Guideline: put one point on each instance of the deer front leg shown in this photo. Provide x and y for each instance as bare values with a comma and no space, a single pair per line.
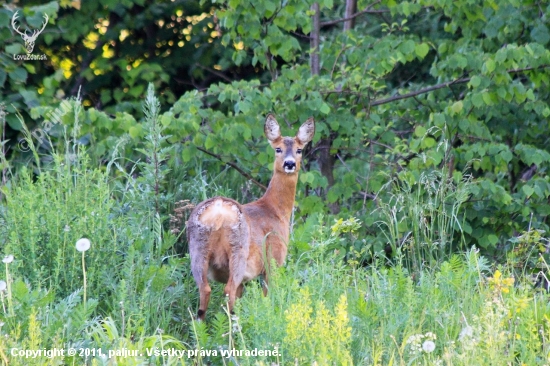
231,293
240,290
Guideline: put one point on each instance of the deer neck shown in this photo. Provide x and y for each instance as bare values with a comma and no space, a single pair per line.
281,193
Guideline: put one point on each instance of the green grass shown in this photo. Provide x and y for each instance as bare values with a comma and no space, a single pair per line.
318,310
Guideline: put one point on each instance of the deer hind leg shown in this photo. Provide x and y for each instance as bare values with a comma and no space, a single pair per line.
199,248
204,292
201,279
234,286
239,241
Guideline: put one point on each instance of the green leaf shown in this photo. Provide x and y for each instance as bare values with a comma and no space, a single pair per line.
210,142
269,6
14,122
492,239
507,155
490,65
457,107
135,131
528,190
18,75
14,49
464,124
421,50
475,81
407,47
487,98
428,142
419,131
307,177
187,154
540,33
325,108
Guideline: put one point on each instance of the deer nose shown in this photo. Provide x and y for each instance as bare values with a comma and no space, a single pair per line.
289,165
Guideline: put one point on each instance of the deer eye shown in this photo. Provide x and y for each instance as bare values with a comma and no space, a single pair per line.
299,151
278,150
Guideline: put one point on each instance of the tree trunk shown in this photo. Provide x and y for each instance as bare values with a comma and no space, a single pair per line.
351,9
314,36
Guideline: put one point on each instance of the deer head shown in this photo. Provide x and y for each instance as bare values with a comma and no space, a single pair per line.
29,39
288,150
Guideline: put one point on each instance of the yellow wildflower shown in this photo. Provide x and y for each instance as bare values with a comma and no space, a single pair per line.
501,284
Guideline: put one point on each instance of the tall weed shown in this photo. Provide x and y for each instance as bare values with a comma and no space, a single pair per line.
422,218
46,215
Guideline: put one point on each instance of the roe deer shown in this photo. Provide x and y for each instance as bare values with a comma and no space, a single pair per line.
228,242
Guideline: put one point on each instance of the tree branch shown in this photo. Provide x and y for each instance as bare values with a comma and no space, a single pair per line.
367,10
443,85
234,166
428,89
418,92
215,72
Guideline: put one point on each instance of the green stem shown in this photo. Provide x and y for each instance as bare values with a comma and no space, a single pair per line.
8,283
84,274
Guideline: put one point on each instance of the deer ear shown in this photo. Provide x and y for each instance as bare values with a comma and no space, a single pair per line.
272,129
306,131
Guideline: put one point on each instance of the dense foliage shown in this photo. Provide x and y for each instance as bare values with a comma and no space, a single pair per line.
432,139
408,88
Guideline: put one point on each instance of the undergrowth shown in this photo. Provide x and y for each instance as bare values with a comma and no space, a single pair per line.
324,307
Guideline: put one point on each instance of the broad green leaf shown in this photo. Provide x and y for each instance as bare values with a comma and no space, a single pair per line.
540,33
457,107
325,108
487,98
18,75
135,131
490,65
422,50
507,155
475,81
428,142
528,190
464,125
419,131
14,49
492,239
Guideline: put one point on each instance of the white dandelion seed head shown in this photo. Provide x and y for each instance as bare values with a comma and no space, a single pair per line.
8,259
466,332
428,346
83,244
3,285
